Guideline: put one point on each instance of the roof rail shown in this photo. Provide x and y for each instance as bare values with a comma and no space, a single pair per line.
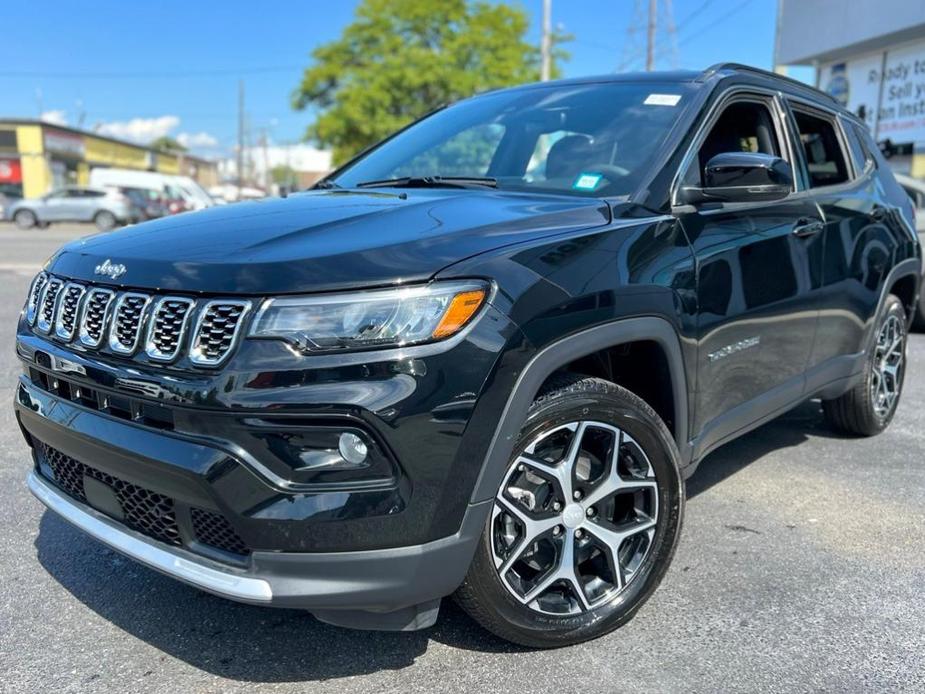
739,67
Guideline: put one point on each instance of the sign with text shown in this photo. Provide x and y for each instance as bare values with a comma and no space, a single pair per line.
887,90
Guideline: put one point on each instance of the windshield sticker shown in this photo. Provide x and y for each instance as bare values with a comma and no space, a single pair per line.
587,181
662,100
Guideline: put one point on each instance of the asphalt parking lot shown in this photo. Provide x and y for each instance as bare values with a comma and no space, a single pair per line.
801,568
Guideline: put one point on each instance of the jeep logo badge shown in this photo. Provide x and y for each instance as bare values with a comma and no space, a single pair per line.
110,269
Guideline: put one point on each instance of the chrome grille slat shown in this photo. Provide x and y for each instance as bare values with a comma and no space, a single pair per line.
69,310
35,293
217,331
48,304
168,327
127,318
95,314
160,328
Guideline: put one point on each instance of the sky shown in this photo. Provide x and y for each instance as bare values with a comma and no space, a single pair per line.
140,70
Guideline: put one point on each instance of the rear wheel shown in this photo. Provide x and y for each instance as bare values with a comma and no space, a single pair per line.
868,408
25,219
585,520
105,220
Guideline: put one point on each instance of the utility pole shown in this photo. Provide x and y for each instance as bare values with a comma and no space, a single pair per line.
650,35
546,42
240,136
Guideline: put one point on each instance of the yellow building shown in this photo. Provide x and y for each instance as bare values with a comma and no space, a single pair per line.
37,157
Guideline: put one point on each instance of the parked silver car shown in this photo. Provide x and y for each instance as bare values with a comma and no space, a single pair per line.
104,207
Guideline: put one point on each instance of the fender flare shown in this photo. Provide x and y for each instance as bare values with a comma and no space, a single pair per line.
562,352
910,267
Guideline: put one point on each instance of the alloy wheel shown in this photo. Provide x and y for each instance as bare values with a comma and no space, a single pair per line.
575,518
888,364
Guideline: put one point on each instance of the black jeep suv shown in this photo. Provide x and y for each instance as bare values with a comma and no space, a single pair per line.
480,358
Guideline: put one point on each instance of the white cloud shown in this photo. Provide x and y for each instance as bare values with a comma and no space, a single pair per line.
200,139
54,117
141,130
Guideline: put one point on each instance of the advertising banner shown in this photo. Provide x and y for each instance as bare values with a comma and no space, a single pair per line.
886,89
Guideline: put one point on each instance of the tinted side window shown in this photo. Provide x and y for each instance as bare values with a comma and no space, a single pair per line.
858,153
824,157
743,126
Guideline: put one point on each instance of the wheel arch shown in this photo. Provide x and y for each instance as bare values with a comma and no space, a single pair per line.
568,350
905,277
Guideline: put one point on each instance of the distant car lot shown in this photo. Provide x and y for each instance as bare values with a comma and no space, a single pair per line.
817,583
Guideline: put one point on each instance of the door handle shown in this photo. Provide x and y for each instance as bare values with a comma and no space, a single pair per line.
807,227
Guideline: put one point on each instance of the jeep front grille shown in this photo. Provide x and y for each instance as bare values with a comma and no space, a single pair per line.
96,311
35,293
216,331
127,323
68,310
48,304
167,327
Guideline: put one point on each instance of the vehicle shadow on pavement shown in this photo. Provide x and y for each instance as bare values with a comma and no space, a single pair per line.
227,639
787,431
255,644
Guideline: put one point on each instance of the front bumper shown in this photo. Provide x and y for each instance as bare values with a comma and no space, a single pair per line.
396,588
386,588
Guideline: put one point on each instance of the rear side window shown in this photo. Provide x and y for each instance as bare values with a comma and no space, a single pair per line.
858,153
824,157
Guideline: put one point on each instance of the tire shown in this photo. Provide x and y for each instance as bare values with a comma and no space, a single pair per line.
105,221
25,219
866,409
558,616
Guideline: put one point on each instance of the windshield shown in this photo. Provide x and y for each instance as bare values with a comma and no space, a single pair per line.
580,139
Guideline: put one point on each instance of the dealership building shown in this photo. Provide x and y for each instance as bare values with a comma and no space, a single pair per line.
870,55
37,157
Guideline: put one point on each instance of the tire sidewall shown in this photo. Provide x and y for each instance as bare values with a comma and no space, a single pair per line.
620,408
892,307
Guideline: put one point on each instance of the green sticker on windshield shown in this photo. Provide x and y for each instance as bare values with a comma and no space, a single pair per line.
587,181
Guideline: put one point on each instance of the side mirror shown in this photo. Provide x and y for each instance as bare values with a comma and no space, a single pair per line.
741,177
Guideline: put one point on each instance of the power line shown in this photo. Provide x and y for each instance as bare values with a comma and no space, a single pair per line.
719,20
696,11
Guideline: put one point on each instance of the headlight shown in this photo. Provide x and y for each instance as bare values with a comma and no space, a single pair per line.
378,318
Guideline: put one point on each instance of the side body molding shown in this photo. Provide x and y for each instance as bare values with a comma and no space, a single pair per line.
567,350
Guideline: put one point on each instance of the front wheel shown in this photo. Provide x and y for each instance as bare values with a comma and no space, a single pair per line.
585,520
868,408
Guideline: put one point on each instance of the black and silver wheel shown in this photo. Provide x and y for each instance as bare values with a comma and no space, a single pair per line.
105,220
25,219
584,522
868,408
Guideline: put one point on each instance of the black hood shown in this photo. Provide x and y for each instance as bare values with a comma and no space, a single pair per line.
322,240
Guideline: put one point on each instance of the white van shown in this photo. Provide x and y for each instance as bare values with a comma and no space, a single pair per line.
183,186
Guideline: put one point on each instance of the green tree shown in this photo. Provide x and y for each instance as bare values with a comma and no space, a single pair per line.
400,59
165,143
283,175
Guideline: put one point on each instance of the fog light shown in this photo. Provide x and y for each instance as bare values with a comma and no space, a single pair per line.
352,449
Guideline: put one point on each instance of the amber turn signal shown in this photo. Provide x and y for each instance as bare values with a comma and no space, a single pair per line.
461,309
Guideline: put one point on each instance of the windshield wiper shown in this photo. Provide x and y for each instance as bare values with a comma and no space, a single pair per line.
431,182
